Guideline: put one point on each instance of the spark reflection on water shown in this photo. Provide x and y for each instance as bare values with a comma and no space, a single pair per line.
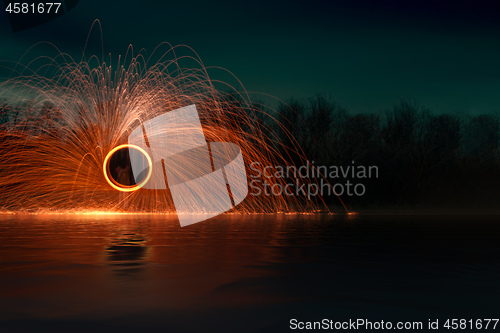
242,272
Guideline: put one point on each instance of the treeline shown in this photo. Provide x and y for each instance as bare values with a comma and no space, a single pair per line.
424,159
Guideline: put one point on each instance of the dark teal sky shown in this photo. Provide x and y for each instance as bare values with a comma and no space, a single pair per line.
365,54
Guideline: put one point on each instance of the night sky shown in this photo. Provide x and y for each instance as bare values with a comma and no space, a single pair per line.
366,55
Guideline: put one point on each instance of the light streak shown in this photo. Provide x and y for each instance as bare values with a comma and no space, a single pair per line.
115,184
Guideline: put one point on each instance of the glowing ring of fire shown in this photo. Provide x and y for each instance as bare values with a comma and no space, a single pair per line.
124,188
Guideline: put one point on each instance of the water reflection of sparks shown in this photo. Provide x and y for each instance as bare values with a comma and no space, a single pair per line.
127,254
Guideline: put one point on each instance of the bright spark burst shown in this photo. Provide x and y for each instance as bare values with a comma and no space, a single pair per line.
53,147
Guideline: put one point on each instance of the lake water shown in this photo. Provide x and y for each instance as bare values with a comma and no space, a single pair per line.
250,273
